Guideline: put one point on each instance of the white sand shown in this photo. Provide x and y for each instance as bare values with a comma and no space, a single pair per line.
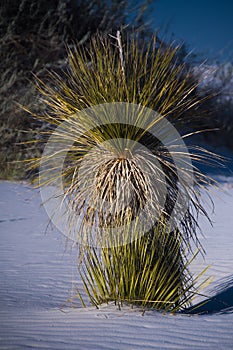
37,276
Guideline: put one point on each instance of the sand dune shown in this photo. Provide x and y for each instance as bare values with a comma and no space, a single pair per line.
38,276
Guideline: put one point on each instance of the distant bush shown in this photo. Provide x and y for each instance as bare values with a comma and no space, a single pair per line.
33,35
217,80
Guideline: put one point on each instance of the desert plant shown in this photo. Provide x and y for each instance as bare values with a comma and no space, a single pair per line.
103,111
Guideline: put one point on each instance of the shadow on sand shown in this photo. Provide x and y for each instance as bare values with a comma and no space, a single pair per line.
221,302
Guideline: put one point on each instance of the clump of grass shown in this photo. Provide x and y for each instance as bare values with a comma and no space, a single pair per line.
145,74
150,272
152,268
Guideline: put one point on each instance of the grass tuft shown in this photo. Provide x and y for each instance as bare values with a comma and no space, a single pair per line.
150,273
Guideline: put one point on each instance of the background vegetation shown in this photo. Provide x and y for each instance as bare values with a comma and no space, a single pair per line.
34,35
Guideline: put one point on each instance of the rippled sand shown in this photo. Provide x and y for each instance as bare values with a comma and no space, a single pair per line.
38,277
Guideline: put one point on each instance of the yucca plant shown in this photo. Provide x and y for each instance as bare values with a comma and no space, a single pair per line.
122,169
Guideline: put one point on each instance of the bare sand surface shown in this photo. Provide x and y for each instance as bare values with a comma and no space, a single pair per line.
38,276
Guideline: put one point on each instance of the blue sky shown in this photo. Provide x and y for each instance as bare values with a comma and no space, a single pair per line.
206,26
